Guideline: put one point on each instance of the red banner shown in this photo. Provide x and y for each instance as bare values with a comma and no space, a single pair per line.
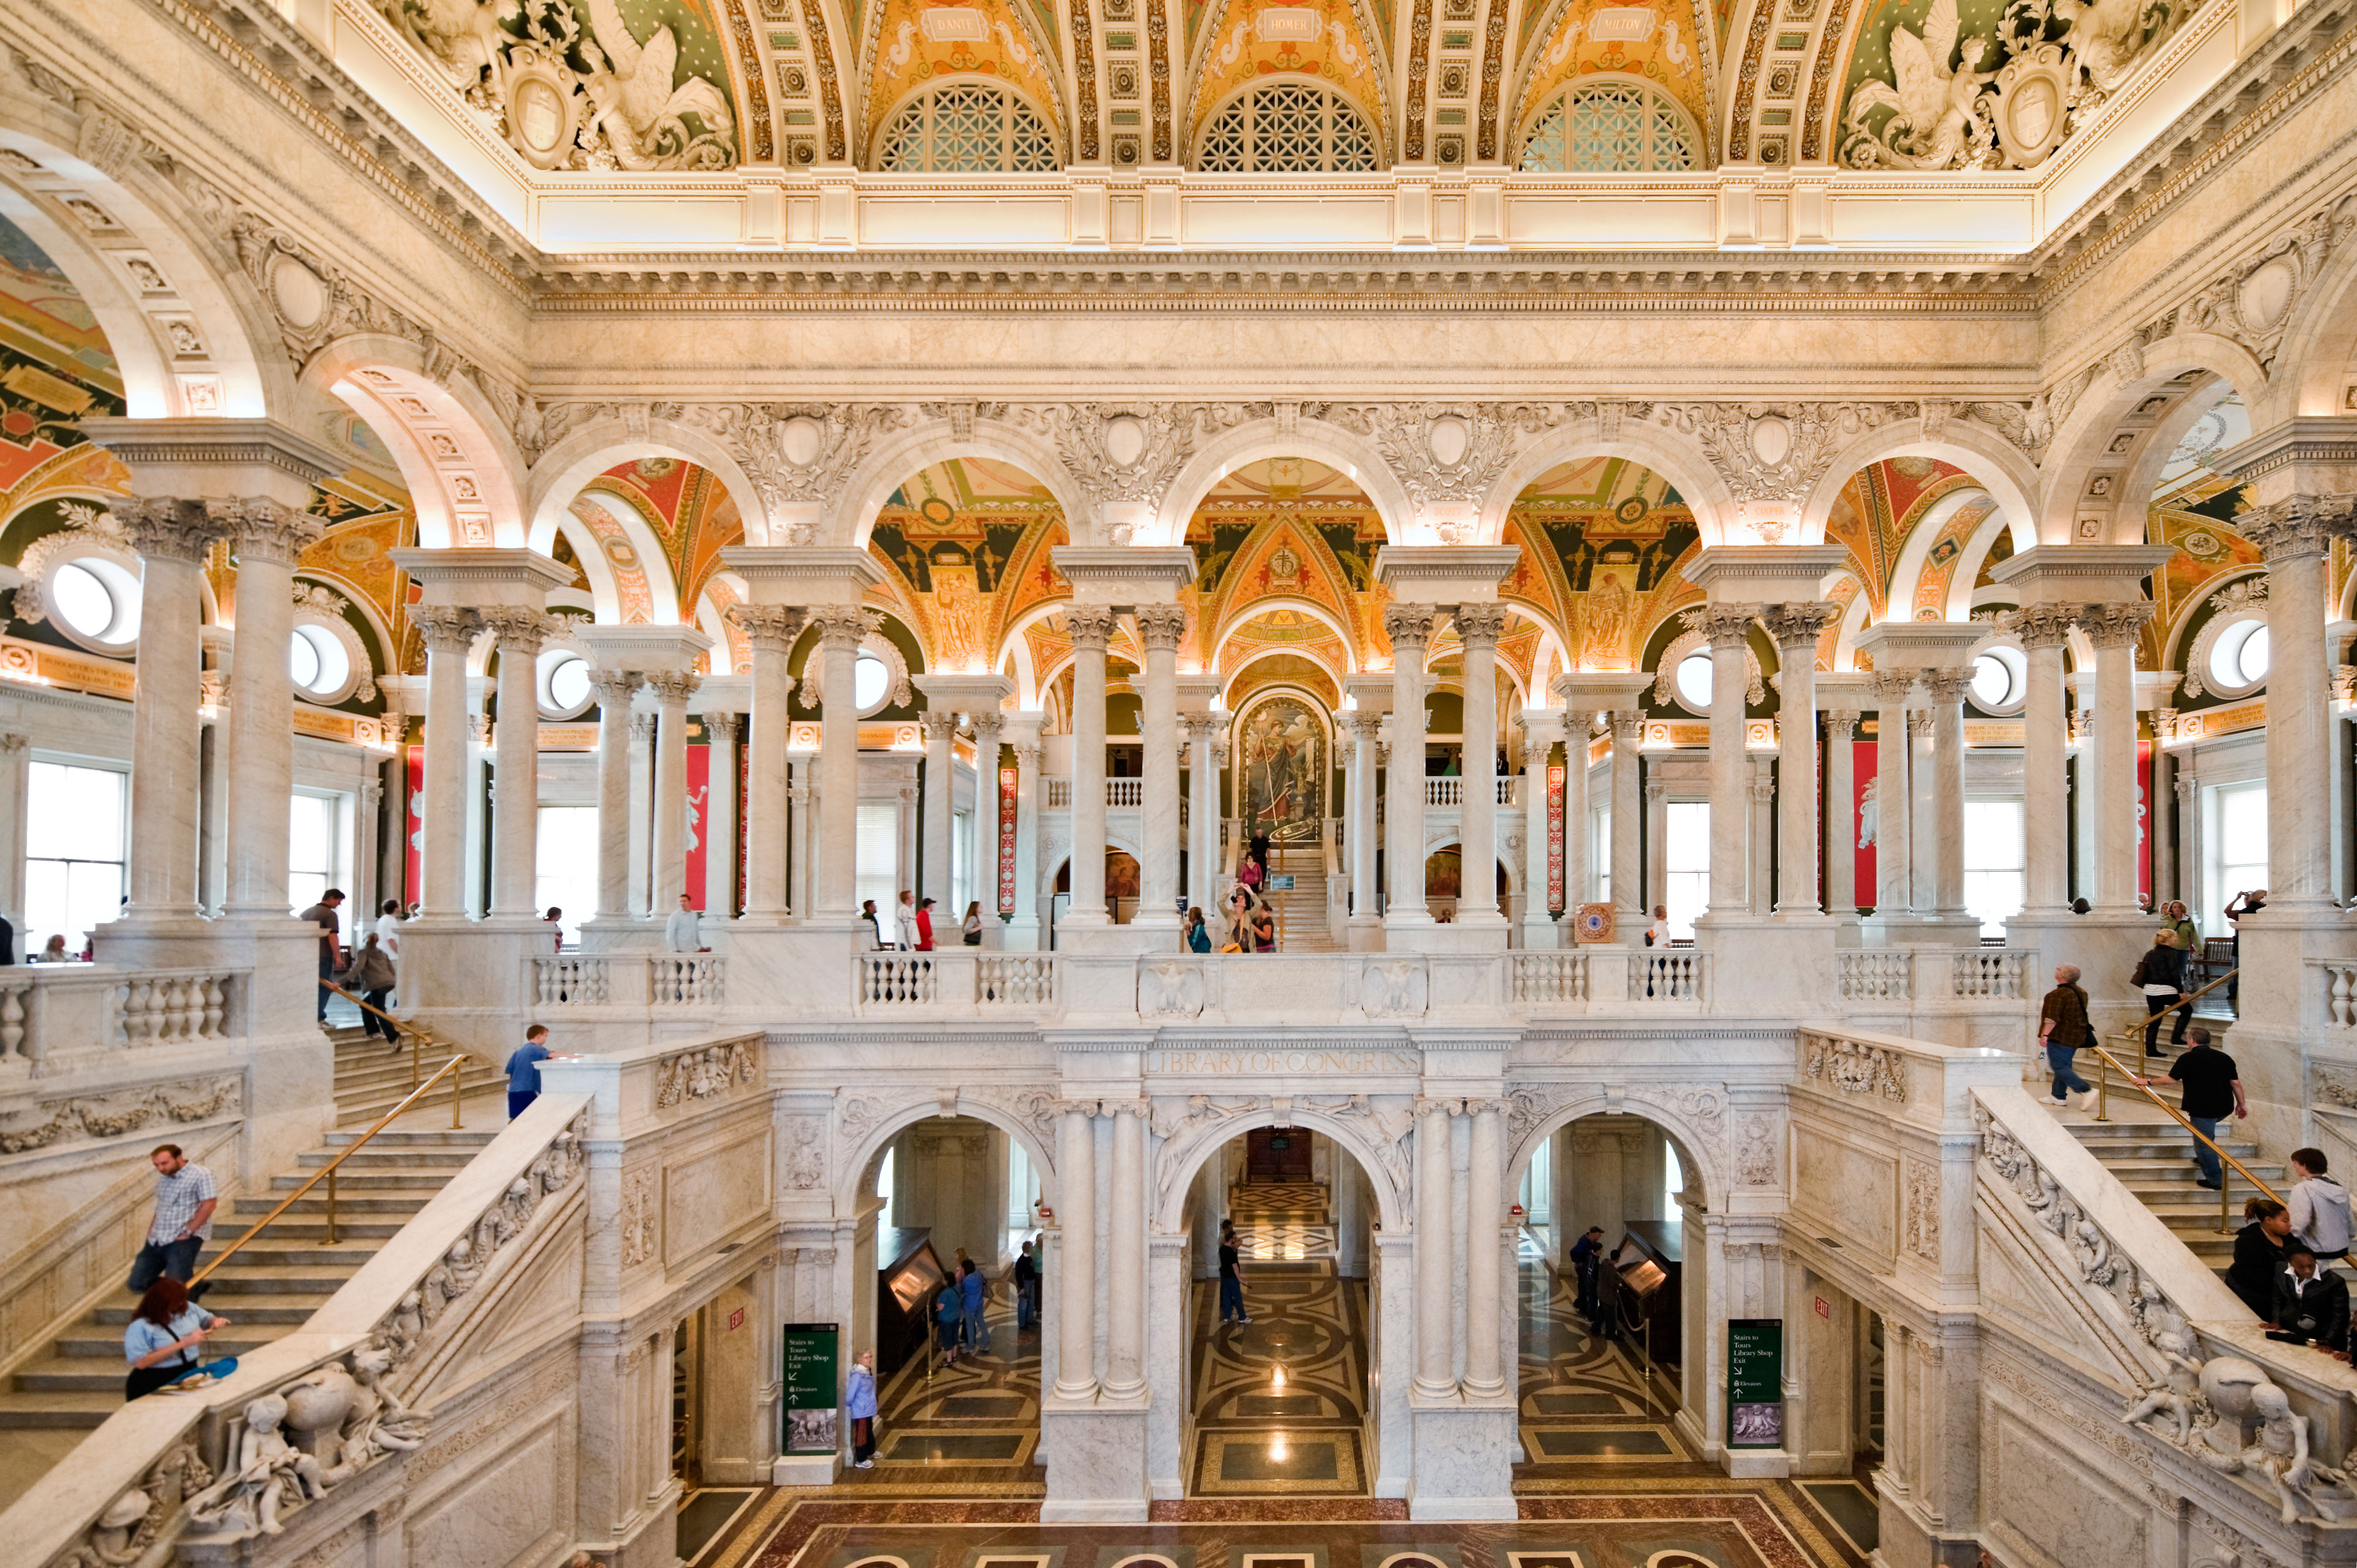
1862,761
2144,820
699,819
1554,777
1010,786
412,825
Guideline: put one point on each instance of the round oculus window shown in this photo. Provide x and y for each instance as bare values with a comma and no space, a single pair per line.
1693,679
2238,660
95,600
317,659
568,684
870,682
1993,686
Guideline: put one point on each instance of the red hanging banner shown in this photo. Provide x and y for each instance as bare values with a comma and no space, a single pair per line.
1554,777
1010,783
413,826
699,819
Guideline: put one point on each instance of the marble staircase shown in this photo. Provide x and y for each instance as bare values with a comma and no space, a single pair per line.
1301,908
371,1078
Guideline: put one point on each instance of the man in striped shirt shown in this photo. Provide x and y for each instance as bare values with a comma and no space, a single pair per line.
184,1200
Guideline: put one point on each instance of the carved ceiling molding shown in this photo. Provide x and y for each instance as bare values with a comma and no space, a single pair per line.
1773,452
1450,454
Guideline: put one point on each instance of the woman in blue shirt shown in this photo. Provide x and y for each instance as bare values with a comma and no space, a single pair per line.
1198,935
165,1338
859,1403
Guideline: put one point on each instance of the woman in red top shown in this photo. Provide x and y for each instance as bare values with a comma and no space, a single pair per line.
924,925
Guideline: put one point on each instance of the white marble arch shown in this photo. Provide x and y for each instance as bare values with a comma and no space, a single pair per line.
454,455
565,470
1244,615
857,1181
2002,468
2078,450
1557,1106
255,378
1054,856
1228,679
850,514
1653,446
1253,440
605,591
1915,554
655,566
1857,616
2315,368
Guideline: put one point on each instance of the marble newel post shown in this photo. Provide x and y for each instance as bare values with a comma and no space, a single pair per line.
1542,727
264,540
842,629
1946,688
1076,1292
940,730
1125,1280
669,879
1893,899
1361,726
615,689
518,632
2115,630
2043,629
1435,1373
1480,626
1092,629
772,630
1841,816
449,633
1160,628
1485,1263
1795,628
1409,626
1728,626
171,537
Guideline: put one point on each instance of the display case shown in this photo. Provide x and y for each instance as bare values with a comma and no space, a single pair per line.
1651,1287
907,1273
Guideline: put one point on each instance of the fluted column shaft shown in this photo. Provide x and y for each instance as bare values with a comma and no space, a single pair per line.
1893,894
1795,628
264,539
1076,1293
2297,534
842,629
1091,628
720,840
1125,1284
615,688
449,633
1485,1181
1728,627
1160,627
2045,744
941,790
171,537
1435,1373
1479,626
669,879
515,798
772,630
1947,689
1362,726
1410,627
1841,815
2115,630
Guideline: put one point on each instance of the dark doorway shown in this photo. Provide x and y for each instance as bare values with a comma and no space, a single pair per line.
1276,1154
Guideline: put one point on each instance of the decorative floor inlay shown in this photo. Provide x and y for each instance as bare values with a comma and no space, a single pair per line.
969,1430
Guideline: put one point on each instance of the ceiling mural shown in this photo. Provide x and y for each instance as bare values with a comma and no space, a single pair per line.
1601,539
690,512
1595,37
1342,54
913,43
55,366
967,541
593,509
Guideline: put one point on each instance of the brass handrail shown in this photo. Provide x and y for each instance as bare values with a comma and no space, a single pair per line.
418,1033
452,1067
2185,999
2226,1227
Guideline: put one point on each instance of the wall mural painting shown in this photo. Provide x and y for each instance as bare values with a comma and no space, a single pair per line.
966,542
1282,751
1602,541
55,366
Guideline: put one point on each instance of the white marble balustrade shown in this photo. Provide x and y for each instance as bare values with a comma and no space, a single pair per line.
48,1012
627,978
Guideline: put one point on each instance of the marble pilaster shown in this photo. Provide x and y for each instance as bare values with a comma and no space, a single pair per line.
1841,815
1893,836
1092,629
1542,727
1628,805
1360,727
1124,1379
2297,534
1409,627
983,855
668,879
1160,628
1946,689
643,727
1485,1261
1479,626
2043,631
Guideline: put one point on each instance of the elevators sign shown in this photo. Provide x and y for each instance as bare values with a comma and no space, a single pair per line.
812,1398
1755,1383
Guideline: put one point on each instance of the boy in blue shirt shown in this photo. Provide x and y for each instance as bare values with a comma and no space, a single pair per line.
523,1069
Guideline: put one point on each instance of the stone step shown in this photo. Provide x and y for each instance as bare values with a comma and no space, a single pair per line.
53,1412
276,1250
286,1309
94,1342
418,1138
353,1176
371,1201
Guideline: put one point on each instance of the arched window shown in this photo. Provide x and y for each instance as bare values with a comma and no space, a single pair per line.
1610,126
966,127
1288,127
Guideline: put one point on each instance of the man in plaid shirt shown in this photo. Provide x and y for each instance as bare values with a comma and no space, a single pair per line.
185,1198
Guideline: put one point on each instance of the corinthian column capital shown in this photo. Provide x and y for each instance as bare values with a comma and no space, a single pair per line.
1162,626
1090,626
1481,625
770,628
447,628
1408,625
165,529
260,529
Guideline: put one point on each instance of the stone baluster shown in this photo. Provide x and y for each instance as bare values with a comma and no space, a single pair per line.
1409,627
2043,630
1435,1373
1485,1183
615,688
1091,628
939,730
1627,806
772,630
668,880
843,628
1479,626
1076,1295
172,538
1795,628
1160,628
1893,896
449,633
2115,630
1946,688
1362,726
1841,816
720,836
264,539
2297,534
1728,627
1203,731
518,632
1125,1280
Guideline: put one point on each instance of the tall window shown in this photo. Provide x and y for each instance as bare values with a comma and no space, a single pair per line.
1686,857
2238,847
564,866
1288,127
876,854
73,877
884,1189
966,127
1994,875
1608,127
313,848
1538,1184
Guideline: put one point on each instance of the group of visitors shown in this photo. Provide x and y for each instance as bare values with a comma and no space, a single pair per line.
961,1310
368,972
2282,1257
1598,1305
912,925
165,1341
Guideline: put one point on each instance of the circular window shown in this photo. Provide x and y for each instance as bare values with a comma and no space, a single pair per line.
95,601
1999,680
1694,682
564,684
870,681
2238,660
317,659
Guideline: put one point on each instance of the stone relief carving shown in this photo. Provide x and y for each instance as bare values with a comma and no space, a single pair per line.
1920,1225
1393,988
1176,1132
301,1441
856,1115
1385,1132
1855,1068
794,453
641,1220
1754,1150
1446,453
1032,1105
1169,988
2254,301
87,527
129,1526
707,1074
805,1147
90,1118
1774,452
2225,1412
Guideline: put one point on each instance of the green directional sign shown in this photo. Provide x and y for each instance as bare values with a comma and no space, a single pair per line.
1755,1383
812,1398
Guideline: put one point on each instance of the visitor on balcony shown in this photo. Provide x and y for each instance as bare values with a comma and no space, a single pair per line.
2259,1255
2062,1029
2160,975
972,926
2320,1207
1199,932
1263,929
875,923
554,920
684,928
924,925
53,951
166,1340
2311,1301
904,921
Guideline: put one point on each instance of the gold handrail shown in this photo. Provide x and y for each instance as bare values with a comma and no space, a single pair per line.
2184,999
2225,1226
452,1067
418,1033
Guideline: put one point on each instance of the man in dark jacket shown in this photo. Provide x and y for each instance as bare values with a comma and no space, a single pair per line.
1585,1253
2311,1303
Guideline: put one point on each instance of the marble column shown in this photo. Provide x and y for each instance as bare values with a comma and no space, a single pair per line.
642,816
1893,893
518,632
2115,630
1760,864
1657,834
842,629
1542,727
615,688
1479,626
2043,629
983,855
172,538
1946,689
720,837
1410,629
1091,628
1026,747
1628,822
1795,628
1841,813
669,879
939,730
1160,627
1728,626
16,762
803,792
264,539
1435,1373
1485,1182
1125,1235
1076,1290
449,633
1923,828
1203,731
1361,726
2297,534
772,630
